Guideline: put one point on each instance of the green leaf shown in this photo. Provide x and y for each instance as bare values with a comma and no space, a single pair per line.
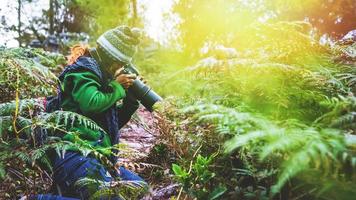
2,172
179,172
217,192
177,169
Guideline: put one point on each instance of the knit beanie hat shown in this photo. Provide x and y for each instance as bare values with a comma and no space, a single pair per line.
120,43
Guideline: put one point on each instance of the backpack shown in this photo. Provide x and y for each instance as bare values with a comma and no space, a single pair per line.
53,103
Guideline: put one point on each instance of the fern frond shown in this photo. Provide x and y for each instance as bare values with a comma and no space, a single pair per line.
123,189
280,143
297,146
68,119
25,107
23,156
342,113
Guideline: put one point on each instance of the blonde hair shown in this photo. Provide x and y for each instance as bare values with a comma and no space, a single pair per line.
76,51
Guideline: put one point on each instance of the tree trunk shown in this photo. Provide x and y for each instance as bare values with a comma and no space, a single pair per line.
134,10
19,22
51,17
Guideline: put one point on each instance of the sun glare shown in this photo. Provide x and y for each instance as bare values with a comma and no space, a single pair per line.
158,19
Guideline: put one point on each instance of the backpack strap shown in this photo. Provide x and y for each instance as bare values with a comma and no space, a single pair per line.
82,63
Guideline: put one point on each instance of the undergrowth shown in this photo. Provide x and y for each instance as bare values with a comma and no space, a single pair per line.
280,119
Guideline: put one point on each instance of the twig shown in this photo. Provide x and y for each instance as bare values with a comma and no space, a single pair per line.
180,193
16,101
190,169
191,162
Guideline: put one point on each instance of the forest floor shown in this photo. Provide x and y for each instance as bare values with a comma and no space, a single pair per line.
140,136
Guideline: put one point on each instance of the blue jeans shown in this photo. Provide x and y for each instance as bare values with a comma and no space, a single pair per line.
73,167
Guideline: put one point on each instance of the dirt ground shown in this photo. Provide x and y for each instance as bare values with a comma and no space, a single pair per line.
140,135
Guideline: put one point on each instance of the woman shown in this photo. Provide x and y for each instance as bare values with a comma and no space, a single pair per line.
91,85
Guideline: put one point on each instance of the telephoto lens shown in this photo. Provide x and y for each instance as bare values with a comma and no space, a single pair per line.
141,91
144,94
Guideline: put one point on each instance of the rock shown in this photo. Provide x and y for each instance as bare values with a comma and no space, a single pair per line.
140,133
349,38
346,48
163,193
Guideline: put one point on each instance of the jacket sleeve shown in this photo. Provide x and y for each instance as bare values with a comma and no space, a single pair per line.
127,109
85,90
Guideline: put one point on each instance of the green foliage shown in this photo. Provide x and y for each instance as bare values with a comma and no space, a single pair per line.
113,14
207,27
282,103
123,189
298,148
28,137
25,107
198,180
234,22
285,106
217,192
28,133
302,149
21,69
32,115
341,115
277,80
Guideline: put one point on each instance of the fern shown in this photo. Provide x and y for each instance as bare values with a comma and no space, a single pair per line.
31,66
26,107
297,147
349,78
67,119
123,189
228,120
38,132
342,113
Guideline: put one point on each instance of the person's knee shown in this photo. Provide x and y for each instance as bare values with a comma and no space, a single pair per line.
47,197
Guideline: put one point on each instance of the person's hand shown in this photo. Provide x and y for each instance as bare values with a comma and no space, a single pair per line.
117,166
142,79
125,80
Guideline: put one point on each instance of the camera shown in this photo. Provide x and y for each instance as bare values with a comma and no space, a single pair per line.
140,90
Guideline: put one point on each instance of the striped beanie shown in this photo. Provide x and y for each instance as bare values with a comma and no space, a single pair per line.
120,43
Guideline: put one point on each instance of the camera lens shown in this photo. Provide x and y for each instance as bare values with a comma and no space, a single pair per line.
144,94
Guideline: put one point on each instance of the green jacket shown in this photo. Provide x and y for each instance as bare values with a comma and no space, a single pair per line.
82,95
